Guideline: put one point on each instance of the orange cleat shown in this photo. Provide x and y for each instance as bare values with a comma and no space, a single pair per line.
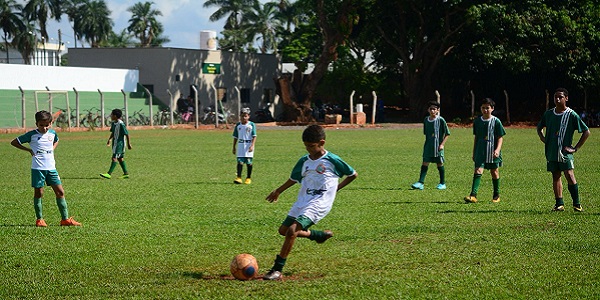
69,222
40,223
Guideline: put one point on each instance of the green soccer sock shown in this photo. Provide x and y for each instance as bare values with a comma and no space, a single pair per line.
113,165
316,235
249,171
574,191
476,183
423,173
62,208
496,184
239,170
279,263
37,206
442,171
123,167
559,201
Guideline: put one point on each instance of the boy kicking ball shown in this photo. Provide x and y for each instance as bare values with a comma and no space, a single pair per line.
318,173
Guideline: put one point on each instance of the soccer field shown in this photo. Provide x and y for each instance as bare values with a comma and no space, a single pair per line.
171,230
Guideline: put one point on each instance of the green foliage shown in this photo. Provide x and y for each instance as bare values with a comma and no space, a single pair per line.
170,231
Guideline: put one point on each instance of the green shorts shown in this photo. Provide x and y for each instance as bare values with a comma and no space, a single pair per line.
488,166
118,155
39,177
555,166
305,222
437,160
244,160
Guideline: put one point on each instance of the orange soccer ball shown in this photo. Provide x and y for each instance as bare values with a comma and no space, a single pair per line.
244,266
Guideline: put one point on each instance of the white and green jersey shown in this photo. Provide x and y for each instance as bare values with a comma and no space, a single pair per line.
119,132
560,128
244,133
319,182
434,130
42,145
487,132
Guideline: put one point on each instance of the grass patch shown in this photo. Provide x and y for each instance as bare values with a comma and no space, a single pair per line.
171,230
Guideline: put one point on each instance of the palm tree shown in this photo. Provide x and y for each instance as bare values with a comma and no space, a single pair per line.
26,42
261,21
93,22
118,40
233,10
10,21
143,23
40,10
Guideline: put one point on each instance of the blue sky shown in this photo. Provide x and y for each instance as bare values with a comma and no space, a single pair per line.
182,20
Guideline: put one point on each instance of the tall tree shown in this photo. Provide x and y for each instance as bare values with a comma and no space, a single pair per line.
118,40
143,23
40,11
234,37
93,22
26,42
336,20
413,37
10,21
261,24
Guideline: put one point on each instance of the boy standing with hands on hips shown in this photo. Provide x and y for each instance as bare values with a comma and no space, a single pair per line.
561,123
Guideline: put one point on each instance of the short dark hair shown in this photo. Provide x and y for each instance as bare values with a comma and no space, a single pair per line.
117,113
313,134
433,103
43,115
562,90
488,101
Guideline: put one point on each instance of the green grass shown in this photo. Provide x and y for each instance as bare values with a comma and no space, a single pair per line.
171,230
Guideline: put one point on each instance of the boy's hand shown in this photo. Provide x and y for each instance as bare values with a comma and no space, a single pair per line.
441,147
128,146
273,196
496,153
569,149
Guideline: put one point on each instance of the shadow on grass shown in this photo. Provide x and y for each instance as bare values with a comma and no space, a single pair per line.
424,202
84,178
489,211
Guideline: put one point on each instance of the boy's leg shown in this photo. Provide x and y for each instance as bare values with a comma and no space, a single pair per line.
60,201
37,206
496,184
123,166
573,188
442,172
113,165
423,173
249,166
557,187
472,198
239,168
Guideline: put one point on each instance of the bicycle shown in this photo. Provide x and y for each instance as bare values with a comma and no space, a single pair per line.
162,117
61,120
90,119
138,119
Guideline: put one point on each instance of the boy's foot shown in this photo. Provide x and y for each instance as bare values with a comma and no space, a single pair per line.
417,185
441,186
105,175
124,176
470,199
496,199
238,180
273,275
69,222
577,208
40,223
248,181
558,208
327,234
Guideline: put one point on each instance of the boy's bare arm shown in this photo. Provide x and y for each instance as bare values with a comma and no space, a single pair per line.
540,133
274,195
582,139
347,180
128,141
498,146
18,145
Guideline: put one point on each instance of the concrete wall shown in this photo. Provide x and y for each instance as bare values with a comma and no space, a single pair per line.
176,69
13,76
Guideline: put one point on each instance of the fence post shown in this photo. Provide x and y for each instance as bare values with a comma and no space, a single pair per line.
239,104
76,107
352,106
195,105
150,109
374,107
23,120
170,106
216,106
101,109
126,107
49,100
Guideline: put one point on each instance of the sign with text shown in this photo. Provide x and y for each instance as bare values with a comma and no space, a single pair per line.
208,68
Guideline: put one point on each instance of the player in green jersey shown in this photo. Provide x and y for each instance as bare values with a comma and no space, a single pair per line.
561,123
487,149
118,135
436,133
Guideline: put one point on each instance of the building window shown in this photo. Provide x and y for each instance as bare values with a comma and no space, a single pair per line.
267,96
